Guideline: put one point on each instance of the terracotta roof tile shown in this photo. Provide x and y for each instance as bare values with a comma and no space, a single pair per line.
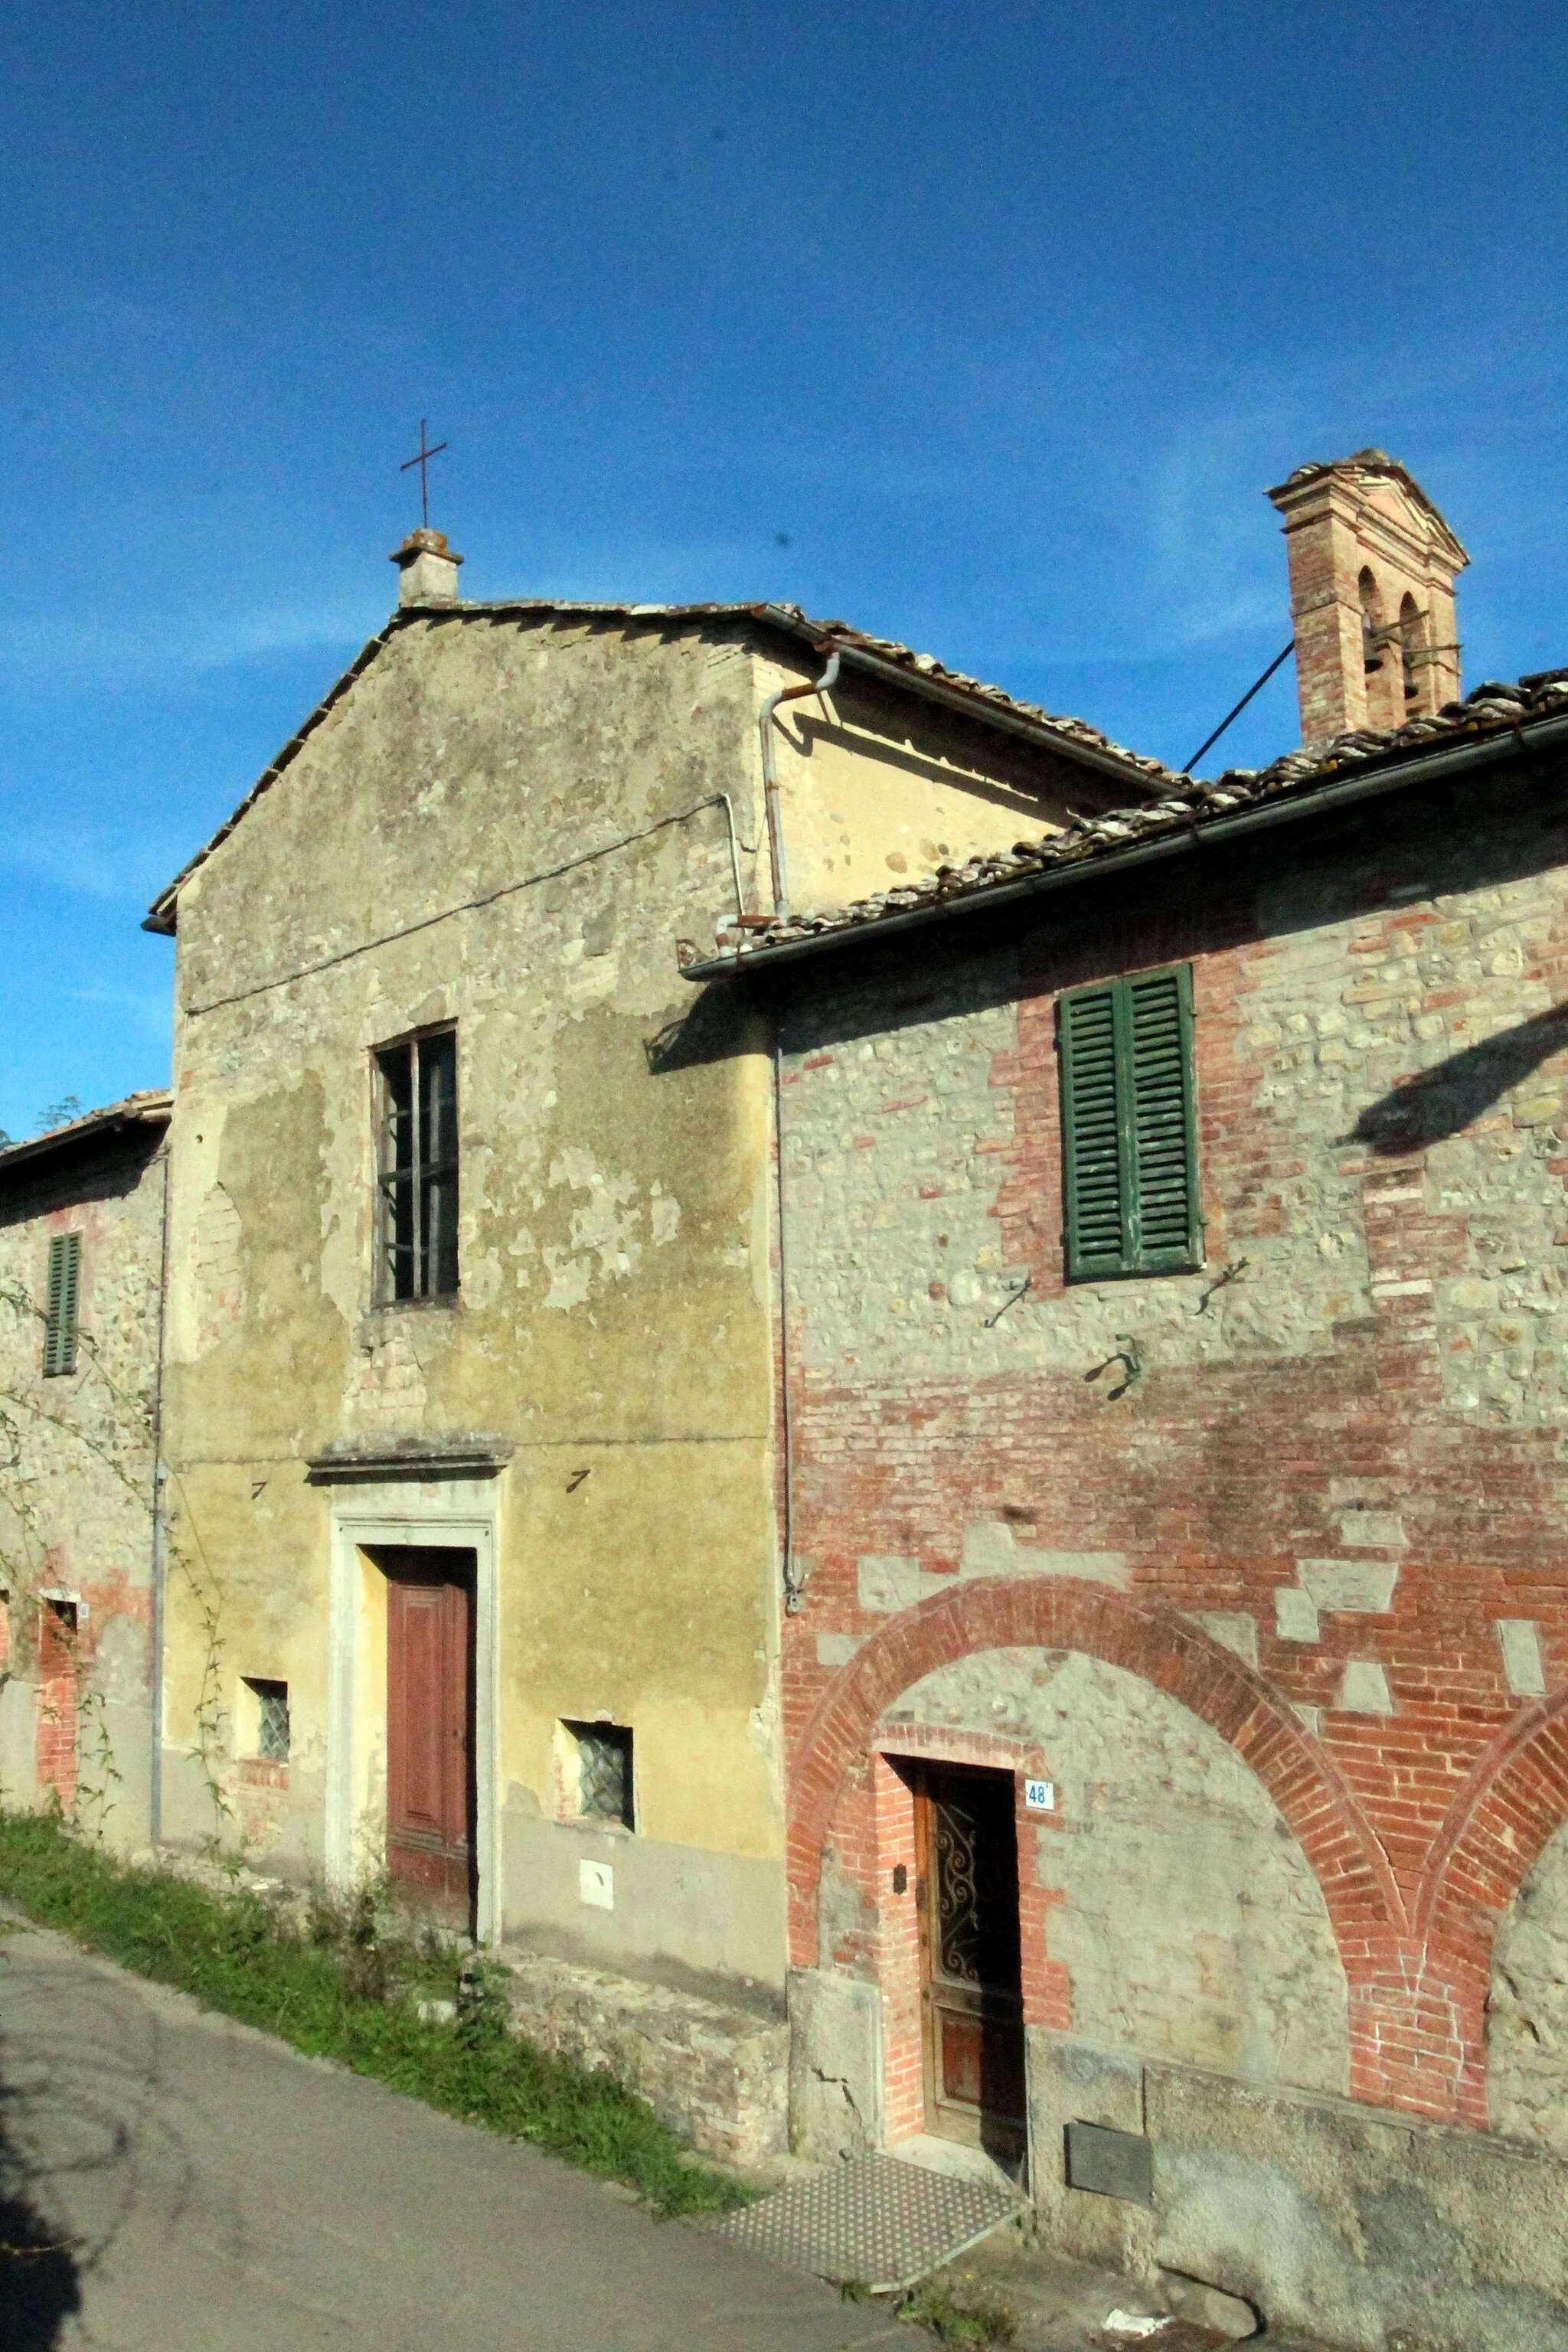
1492,710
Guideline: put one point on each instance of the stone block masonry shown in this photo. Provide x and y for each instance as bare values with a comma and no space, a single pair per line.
714,2074
1259,1566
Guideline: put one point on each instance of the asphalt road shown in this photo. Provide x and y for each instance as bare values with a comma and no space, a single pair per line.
197,2187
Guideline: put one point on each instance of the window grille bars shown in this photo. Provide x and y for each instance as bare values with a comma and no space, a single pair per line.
418,1176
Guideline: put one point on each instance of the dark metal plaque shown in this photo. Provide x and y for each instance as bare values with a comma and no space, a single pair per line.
1110,2163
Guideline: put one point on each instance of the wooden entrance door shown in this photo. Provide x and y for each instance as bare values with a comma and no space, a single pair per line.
970,1979
431,1795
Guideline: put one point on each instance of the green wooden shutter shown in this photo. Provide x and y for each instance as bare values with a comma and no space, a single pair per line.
1128,1130
1164,1234
61,1303
1095,1174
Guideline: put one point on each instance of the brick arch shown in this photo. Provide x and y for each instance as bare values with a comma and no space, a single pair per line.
1147,1639
1514,1800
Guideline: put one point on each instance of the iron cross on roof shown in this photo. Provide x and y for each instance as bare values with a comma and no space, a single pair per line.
422,460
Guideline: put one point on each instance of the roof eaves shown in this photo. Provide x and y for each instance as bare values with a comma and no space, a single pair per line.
898,665
1236,803
993,707
152,1109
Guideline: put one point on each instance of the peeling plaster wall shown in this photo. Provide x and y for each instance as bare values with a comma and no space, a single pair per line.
613,1317
1184,1914
76,1477
880,787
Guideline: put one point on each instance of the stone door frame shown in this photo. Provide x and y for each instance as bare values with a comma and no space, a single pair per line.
434,1519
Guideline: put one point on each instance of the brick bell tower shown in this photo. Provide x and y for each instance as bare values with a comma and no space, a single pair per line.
1373,565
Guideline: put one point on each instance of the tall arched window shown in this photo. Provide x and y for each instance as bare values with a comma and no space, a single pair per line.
1384,708
1413,652
1371,622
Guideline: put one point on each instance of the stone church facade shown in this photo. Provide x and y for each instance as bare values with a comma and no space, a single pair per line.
469,1368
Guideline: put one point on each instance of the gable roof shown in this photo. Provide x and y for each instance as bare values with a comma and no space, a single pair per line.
1493,720
883,657
1375,465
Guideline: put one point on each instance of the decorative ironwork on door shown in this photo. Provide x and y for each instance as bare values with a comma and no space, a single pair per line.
972,1992
977,1896
957,1896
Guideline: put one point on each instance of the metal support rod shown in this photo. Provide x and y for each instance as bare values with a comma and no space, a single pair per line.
791,1592
1210,742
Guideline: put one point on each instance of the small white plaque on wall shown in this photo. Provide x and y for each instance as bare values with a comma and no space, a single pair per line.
1522,1658
1039,1796
597,1885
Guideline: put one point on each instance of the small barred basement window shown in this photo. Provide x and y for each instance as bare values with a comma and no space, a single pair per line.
61,1301
271,1719
604,1762
1130,1156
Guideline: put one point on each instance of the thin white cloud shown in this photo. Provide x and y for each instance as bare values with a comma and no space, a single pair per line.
150,1009
86,860
71,649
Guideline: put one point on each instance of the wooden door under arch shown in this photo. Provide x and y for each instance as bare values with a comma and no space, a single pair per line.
971,1962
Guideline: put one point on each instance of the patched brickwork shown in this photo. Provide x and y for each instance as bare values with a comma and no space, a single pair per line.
1189,1923
1311,1493
62,1658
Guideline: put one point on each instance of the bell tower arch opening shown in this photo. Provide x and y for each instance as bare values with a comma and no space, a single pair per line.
1373,567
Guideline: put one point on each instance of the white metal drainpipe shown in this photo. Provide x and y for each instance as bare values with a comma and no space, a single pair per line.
770,774
160,1525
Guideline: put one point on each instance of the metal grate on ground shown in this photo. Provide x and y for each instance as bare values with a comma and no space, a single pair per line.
879,2222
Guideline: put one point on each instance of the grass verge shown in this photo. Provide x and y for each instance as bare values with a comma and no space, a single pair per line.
345,1987
965,2312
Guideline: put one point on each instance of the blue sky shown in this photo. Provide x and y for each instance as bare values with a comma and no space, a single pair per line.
982,329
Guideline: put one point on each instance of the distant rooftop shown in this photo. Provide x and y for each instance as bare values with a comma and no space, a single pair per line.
153,1107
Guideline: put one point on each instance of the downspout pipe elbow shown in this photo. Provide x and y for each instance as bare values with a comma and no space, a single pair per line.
776,859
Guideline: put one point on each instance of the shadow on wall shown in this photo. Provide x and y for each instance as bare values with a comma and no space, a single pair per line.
40,2285
1444,1101
714,1027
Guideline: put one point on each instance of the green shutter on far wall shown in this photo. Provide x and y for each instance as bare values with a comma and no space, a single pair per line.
1129,1127
61,1303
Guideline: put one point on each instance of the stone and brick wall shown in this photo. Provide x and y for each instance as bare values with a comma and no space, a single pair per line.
1261,1565
76,1482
